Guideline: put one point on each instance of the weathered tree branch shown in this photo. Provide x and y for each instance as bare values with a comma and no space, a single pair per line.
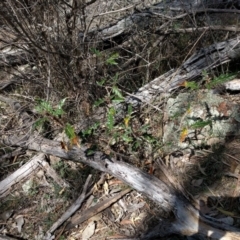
188,220
205,60
153,17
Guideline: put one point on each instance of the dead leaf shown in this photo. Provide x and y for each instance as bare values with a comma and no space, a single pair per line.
125,222
88,231
183,84
19,221
62,191
223,108
135,207
115,182
64,146
151,170
75,141
106,188
148,161
86,108
183,135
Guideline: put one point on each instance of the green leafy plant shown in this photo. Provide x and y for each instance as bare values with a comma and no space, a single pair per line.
90,130
110,118
95,51
192,85
201,124
112,59
48,112
220,80
51,113
45,107
69,130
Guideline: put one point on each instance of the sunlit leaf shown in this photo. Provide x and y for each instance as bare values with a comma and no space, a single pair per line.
192,85
183,135
62,102
126,121
112,59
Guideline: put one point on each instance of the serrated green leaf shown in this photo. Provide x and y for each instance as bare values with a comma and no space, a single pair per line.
117,92
201,124
69,130
46,106
126,138
192,85
112,59
95,51
223,78
110,118
58,112
98,102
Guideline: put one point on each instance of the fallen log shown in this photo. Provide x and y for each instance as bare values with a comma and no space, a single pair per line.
204,60
188,220
154,16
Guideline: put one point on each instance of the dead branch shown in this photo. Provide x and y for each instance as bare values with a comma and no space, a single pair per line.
192,69
74,207
33,165
90,212
188,221
22,173
166,10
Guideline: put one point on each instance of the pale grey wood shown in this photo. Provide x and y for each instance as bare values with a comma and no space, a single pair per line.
23,172
187,219
155,16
